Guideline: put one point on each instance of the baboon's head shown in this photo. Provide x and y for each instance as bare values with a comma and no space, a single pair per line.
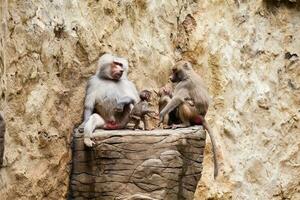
180,71
166,90
145,95
112,67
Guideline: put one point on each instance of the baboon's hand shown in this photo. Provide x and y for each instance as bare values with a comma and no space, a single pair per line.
81,127
154,115
158,125
119,108
161,119
88,142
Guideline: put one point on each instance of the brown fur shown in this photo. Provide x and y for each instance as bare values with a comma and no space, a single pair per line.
181,114
141,110
165,94
190,87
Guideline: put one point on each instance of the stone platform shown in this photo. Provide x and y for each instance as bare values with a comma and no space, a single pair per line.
138,165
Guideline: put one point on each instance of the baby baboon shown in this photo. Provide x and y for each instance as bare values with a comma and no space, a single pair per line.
190,87
141,110
165,95
177,116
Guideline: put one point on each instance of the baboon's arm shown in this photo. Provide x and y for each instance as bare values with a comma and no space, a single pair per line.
175,102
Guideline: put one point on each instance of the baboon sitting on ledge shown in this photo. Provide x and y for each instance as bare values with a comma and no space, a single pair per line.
189,86
108,91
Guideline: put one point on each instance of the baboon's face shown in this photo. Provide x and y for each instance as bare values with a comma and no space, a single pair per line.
177,74
116,70
145,95
180,71
165,91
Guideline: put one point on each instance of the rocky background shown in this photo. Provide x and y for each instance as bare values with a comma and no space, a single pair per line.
247,52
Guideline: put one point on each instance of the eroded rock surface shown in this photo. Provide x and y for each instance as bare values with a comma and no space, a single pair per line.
248,53
2,135
158,164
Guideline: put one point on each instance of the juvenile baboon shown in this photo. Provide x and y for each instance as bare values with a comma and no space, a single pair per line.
2,136
177,116
141,110
165,95
108,91
190,87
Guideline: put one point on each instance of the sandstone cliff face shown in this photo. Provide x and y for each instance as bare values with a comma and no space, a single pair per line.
247,52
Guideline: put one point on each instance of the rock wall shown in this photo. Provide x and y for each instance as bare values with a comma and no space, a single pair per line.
247,52
2,134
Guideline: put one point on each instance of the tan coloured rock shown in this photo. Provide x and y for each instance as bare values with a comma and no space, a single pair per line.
247,52
2,135
126,164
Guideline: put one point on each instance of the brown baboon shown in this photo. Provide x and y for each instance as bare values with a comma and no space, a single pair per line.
165,95
179,114
141,110
190,87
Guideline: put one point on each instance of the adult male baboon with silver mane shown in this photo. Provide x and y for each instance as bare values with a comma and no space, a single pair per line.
109,97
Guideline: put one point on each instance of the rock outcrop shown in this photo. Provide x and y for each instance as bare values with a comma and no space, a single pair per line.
2,135
149,165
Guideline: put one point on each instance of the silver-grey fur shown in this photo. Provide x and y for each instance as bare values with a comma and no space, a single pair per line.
103,95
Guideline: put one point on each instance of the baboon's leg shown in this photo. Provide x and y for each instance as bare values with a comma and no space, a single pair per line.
95,121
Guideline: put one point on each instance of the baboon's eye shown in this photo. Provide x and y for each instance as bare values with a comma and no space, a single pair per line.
118,63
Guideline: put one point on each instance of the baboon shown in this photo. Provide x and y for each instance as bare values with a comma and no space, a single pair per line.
141,110
2,136
108,91
190,87
165,95
177,116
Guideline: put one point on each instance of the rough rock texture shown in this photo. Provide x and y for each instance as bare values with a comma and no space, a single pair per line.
2,135
158,164
247,52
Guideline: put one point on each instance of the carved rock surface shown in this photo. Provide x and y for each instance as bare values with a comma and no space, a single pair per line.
158,164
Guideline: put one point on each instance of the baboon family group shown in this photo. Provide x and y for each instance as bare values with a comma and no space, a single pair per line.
112,101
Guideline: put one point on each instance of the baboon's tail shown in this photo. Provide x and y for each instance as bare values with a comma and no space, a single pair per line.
213,143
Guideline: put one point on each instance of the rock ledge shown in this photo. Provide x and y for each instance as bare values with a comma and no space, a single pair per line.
126,164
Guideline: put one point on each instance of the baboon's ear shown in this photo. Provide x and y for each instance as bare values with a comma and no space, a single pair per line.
187,66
